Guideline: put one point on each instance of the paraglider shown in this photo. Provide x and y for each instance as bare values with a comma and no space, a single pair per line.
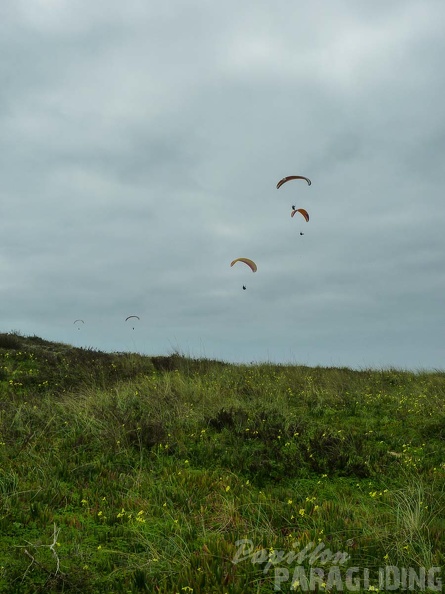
250,263
129,318
302,211
77,322
289,177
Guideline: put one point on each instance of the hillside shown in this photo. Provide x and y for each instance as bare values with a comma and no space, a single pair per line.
125,473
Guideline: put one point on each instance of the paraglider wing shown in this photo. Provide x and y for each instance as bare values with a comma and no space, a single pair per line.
302,212
289,177
247,261
130,317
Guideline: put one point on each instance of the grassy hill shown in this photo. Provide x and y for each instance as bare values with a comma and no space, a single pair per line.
121,473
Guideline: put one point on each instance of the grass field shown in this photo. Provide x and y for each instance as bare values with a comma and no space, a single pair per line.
121,473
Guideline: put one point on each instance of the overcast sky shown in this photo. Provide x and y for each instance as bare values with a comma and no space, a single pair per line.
140,147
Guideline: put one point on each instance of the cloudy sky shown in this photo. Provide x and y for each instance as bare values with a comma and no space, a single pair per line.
140,147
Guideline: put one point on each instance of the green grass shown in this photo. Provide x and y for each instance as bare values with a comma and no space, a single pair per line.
121,473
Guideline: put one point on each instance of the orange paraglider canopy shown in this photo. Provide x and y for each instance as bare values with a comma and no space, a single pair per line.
302,212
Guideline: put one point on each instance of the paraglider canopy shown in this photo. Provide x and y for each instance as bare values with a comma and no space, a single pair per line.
250,263
303,212
289,177
130,317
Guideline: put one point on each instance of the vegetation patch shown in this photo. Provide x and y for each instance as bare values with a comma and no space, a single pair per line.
123,473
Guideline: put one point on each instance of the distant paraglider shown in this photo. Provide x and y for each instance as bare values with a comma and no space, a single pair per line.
290,177
78,322
250,263
130,317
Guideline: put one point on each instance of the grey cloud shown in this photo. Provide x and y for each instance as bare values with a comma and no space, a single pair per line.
140,146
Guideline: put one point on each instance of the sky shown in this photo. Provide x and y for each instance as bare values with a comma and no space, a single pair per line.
140,148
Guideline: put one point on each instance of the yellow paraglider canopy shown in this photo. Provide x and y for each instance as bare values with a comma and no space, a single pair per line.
247,261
